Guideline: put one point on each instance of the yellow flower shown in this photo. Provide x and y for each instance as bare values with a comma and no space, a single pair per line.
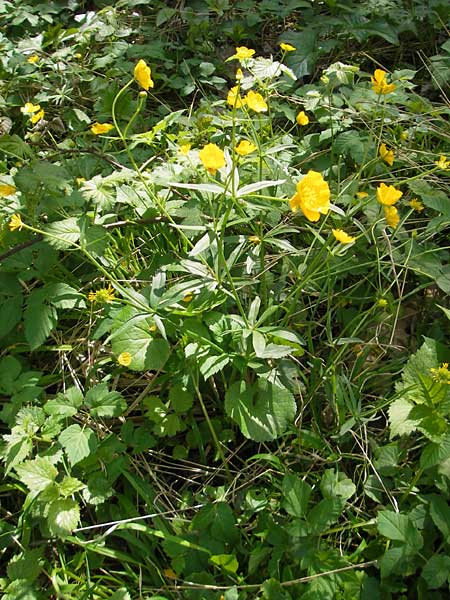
80,181
234,99
37,116
15,222
343,237
441,374
29,108
33,59
212,158
387,155
184,148
7,190
379,83
99,128
239,74
302,118
245,147
143,75
287,47
361,195
242,53
388,194
256,102
102,296
254,238
124,359
312,197
78,55
391,215
416,204
187,298
382,302
443,163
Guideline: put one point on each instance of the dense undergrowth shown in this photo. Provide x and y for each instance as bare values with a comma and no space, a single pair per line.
224,313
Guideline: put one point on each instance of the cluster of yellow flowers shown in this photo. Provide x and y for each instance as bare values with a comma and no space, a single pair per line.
441,374
387,196
34,111
253,100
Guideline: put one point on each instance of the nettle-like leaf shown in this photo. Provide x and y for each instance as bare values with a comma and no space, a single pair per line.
63,516
37,474
103,403
78,443
262,410
40,319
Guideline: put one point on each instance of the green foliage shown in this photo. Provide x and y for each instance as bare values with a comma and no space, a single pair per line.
209,390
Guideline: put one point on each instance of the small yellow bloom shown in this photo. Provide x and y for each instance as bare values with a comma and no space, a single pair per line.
443,163
416,205
143,75
239,74
7,190
254,238
234,99
361,195
15,222
404,135
80,181
441,374
99,128
386,155
102,296
388,194
242,53
379,83
382,302
343,237
37,116
312,197
33,59
245,147
124,359
78,55
287,47
256,102
187,298
391,215
29,108
212,158
184,148
302,118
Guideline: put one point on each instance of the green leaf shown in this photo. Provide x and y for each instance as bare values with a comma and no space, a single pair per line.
11,311
78,443
399,422
63,516
435,453
227,562
325,514
396,526
440,513
63,234
431,196
262,410
334,483
17,447
39,319
134,332
295,495
181,399
64,296
65,404
26,565
15,146
37,474
213,364
103,403
69,485
436,571
21,589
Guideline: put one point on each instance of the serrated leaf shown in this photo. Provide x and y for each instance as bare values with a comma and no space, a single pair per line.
434,454
396,526
65,404
69,485
262,410
26,565
295,495
324,514
440,513
39,319
37,474
78,443
213,364
436,571
227,562
62,295
399,422
11,311
335,483
103,403
181,399
63,517
63,234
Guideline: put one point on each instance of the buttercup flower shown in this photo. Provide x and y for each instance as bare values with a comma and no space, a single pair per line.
143,75
15,223
361,194
102,296
245,147
124,359
29,108
256,102
441,374
416,205
391,215
242,52
379,83
37,116
343,237
382,302
234,99
388,194
99,128
33,59
7,190
287,47
312,197
184,148
386,155
443,163
187,298
254,239
302,118
212,158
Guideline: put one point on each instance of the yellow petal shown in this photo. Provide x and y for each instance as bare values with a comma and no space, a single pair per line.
143,75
